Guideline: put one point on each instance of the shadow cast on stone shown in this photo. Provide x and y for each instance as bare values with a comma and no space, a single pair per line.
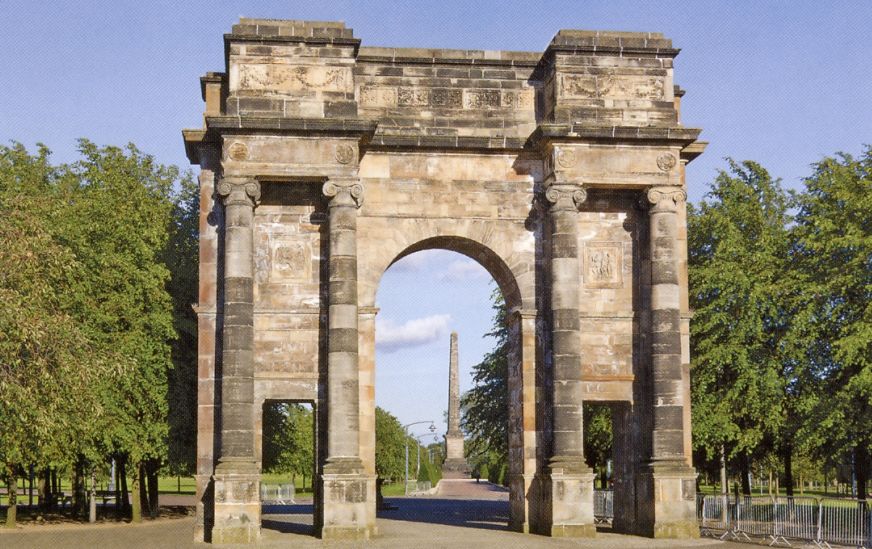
289,519
482,514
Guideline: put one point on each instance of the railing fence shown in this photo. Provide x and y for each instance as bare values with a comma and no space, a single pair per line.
781,520
277,494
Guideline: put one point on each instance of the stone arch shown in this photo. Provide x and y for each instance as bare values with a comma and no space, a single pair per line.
505,250
482,254
522,342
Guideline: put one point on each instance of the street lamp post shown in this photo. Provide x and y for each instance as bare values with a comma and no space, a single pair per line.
406,431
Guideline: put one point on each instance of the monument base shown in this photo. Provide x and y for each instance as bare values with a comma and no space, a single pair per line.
237,503
349,498
453,469
666,492
568,495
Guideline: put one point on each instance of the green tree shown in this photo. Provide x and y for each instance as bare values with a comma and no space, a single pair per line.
116,220
738,258
181,257
833,253
598,439
49,366
289,443
390,446
485,411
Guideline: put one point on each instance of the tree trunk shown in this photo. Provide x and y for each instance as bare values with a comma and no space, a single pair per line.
125,493
151,470
30,487
42,487
92,505
136,506
861,461
78,490
55,489
12,492
745,470
143,490
724,487
118,505
787,456
770,482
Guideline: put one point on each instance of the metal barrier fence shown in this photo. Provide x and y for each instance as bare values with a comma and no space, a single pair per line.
780,520
277,494
414,488
603,506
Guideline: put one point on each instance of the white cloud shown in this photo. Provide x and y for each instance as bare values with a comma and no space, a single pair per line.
464,269
390,337
418,261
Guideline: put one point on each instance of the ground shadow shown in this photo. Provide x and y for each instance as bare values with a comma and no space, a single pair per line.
471,513
289,519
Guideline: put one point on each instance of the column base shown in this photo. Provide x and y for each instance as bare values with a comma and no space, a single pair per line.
666,500
204,509
453,468
568,501
522,502
349,497
237,503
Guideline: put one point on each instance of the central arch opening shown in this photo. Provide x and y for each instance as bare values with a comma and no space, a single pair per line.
444,300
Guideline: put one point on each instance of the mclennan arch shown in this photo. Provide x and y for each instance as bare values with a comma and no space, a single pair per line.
562,172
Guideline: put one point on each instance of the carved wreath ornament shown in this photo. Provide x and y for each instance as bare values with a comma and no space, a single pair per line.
344,154
566,158
665,162
238,151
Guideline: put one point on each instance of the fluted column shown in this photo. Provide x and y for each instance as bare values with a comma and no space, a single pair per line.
239,195
568,449
343,447
668,393
237,477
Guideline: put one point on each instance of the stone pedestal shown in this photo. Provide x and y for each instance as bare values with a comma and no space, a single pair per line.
667,501
237,503
522,503
349,496
569,496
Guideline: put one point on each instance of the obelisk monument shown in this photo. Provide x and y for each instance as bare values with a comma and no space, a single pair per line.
455,465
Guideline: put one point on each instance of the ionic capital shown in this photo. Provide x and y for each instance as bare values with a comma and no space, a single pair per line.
665,199
565,197
344,192
238,191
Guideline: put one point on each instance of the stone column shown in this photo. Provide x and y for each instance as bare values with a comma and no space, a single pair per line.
667,492
455,465
571,480
349,493
237,477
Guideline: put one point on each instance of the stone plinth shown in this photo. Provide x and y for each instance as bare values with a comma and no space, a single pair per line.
667,501
349,503
568,505
237,504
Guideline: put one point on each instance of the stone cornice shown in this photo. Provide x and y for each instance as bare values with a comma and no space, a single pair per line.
568,133
339,127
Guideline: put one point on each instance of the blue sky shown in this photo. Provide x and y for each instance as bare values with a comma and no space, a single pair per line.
783,83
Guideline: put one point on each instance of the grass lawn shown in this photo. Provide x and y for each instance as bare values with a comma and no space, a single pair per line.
393,489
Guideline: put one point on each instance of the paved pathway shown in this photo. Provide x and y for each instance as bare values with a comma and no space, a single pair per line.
462,514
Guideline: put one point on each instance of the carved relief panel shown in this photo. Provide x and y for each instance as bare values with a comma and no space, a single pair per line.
603,264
